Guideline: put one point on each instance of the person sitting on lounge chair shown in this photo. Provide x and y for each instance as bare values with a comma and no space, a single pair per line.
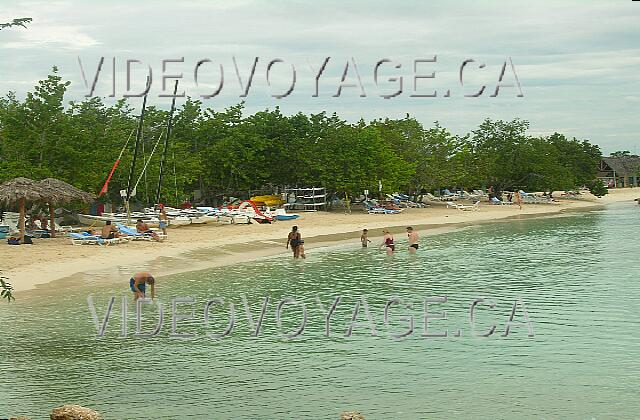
143,228
109,231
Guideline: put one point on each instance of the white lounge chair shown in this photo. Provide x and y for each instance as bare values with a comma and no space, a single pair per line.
80,239
473,207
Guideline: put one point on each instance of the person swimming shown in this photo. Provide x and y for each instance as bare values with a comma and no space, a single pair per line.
138,284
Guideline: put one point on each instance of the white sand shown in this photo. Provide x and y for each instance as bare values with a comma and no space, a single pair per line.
201,246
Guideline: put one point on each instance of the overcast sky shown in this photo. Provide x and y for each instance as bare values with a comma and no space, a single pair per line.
578,62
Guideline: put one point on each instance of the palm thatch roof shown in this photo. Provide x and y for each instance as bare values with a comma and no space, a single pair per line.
623,165
60,192
18,189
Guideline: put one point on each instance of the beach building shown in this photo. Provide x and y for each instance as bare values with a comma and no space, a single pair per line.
619,171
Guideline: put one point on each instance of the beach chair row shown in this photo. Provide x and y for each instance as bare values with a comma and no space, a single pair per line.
128,234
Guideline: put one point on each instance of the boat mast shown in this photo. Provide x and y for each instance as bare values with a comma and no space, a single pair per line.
166,141
135,153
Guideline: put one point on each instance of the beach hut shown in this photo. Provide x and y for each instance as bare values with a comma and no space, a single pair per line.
620,171
20,191
58,192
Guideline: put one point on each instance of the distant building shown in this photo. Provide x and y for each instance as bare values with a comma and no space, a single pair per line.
619,171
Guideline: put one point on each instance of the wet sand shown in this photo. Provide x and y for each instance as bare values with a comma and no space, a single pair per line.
198,247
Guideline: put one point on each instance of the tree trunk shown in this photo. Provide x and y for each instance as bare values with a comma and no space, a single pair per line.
52,220
21,221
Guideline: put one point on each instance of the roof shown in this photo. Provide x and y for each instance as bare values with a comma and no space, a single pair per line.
623,165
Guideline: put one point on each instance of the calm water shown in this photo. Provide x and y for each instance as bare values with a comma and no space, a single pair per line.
576,276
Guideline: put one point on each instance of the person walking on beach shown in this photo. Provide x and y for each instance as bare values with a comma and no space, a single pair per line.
414,239
387,242
164,220
519,199
138,284
295,240
364,238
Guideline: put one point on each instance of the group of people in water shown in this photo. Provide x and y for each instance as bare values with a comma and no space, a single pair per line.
138,283
296,243
388,243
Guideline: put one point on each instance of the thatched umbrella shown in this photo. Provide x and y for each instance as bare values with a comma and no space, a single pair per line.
59,192
20,191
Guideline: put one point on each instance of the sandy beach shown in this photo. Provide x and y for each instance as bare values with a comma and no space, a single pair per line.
198,247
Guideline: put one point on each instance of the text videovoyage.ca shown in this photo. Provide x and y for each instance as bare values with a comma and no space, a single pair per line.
328,77
399,318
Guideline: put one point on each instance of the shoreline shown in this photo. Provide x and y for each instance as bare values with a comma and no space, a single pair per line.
194,248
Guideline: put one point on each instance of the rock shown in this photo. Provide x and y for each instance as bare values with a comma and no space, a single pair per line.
351,415
74,412
19,418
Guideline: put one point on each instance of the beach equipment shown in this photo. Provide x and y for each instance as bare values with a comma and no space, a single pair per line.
281,214
87,239
166,141
20,191
267,200
251,210
137,236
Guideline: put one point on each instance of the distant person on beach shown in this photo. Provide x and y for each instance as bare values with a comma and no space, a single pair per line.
143,228
364,239
138,284
387,242
164,220
295,240
519,199
109,231
414,239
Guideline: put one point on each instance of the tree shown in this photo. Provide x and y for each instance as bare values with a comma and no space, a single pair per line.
16,22
7,289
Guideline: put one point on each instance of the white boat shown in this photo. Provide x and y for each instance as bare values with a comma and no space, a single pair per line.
91,220
179,221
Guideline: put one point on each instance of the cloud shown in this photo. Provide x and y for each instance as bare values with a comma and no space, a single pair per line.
577,61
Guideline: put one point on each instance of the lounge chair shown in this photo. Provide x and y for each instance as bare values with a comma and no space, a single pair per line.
432,197
86,239
473,207
451,204
496,201
133,234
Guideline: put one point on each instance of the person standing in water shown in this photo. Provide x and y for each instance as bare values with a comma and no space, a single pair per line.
387,242
295,240
364,238
138,284
414,239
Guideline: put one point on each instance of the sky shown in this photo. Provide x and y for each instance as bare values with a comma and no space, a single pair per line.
569,66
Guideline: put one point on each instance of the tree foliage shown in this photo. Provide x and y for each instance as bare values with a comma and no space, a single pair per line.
225,152
16,22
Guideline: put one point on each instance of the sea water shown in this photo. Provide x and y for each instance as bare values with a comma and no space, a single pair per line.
555,332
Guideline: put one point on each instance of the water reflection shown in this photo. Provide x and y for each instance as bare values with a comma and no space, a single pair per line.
573,274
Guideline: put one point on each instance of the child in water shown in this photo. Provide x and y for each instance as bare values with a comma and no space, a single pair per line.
364,238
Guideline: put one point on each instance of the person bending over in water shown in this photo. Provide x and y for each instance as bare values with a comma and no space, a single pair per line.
414,239
387,242
364,239
295,240
138,284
